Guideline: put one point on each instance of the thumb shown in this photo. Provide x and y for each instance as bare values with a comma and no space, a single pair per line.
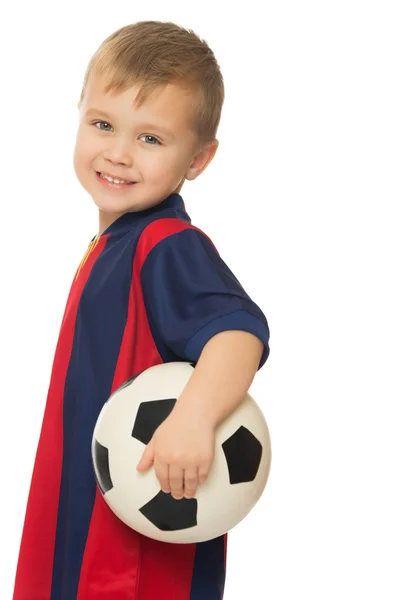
147,458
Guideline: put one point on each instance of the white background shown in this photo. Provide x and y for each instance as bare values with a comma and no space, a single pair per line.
301,200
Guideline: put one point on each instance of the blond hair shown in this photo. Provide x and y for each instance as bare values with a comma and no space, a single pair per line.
154,53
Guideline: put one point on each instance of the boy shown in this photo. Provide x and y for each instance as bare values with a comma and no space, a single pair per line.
150,289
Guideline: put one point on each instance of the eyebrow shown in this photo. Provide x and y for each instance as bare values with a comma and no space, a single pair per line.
102,113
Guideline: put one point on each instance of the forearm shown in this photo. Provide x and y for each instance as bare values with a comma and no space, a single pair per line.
222,377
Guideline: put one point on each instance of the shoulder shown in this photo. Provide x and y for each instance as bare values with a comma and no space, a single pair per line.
170,233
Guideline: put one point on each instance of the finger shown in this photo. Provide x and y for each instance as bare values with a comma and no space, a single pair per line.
147,459
191,481
203,472
176,481
162,472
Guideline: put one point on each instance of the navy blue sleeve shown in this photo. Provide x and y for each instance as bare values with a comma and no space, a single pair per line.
191,295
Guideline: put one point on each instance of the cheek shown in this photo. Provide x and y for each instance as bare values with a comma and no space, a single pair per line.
81,161
166,164
77,159
83,152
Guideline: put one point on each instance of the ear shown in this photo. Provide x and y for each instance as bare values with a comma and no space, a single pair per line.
202,159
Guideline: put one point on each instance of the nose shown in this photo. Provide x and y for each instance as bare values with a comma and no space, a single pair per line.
118,152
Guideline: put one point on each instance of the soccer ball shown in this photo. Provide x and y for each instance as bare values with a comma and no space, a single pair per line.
235,482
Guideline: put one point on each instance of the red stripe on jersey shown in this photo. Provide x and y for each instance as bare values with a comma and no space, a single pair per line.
111,560
35,562
165,569
157,231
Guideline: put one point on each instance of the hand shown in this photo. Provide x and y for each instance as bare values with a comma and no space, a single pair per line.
182,450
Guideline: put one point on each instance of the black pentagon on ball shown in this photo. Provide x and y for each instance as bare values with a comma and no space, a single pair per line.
168,514
149,417
102,467
243,453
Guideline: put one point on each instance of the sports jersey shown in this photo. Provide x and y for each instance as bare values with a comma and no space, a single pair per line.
151,289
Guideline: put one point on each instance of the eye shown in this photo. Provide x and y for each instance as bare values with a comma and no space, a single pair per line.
154,141
104,122
152,138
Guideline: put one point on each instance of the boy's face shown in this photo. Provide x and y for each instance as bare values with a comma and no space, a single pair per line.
153,146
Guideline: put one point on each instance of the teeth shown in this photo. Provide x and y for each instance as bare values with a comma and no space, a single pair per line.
113,180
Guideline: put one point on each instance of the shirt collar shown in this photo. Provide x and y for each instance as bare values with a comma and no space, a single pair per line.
128,219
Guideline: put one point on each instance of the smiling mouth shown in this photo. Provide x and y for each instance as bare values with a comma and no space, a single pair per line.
113,182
